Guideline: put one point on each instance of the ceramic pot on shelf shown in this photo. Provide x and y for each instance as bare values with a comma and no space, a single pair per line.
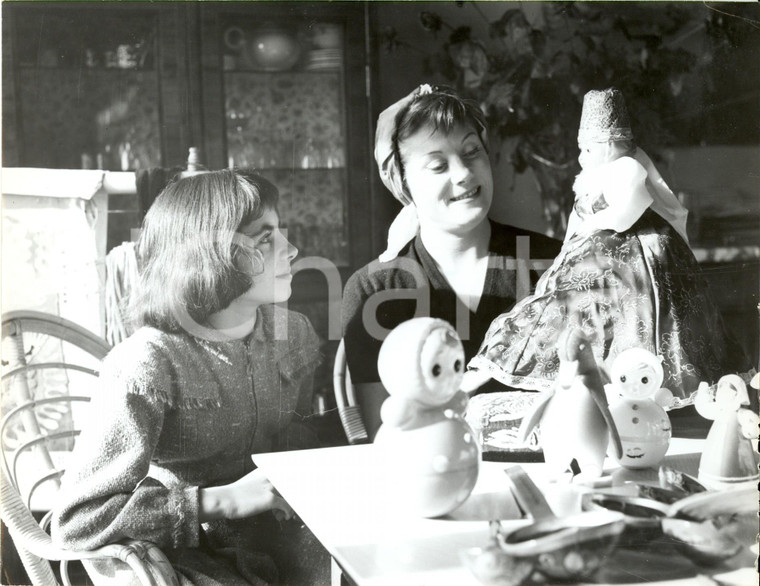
266,48
326,36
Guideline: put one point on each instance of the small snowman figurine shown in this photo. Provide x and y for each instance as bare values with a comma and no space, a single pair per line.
430,454
636,403
729,457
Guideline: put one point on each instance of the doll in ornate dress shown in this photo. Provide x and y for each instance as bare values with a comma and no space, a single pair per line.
625,275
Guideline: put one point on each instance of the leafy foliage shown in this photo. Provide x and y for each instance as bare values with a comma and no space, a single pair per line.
530,76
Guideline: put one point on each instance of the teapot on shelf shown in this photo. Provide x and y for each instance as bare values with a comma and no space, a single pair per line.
264,48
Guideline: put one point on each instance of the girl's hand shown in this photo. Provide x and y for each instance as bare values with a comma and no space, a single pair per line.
251,495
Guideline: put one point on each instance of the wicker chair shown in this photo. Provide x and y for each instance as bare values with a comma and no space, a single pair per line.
37,428
345,398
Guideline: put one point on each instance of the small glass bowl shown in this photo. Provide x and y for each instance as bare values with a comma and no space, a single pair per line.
567,548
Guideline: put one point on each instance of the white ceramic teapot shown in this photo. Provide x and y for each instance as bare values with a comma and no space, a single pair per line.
265,48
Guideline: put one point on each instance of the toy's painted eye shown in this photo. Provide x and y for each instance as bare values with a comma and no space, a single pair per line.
436,369
622,379
457,366
645,380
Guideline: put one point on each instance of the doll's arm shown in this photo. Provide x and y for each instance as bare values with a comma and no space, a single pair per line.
704,401
457,403
473,380
748,423
663,397
573,224
626,195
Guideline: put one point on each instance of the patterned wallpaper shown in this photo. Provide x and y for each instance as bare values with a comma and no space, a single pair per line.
290,127
312,208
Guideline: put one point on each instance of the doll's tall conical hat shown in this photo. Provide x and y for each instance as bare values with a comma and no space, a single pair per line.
604,117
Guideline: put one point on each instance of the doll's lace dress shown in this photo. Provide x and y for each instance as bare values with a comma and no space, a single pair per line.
639,288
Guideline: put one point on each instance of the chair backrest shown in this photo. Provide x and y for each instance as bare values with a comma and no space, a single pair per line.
51,366
38,426
345,398
122,276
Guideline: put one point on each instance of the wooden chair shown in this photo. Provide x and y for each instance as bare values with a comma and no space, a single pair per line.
345,398
37,428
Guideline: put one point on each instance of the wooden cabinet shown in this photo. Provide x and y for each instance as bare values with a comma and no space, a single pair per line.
93,85
279,86
283,90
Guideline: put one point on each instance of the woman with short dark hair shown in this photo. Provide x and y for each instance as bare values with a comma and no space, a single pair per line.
445,257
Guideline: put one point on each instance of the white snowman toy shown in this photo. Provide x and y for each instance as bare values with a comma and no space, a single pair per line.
429,453
636,401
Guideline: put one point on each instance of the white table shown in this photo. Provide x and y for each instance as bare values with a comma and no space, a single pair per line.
338,493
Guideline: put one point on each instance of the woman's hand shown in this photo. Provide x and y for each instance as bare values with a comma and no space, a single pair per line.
251,495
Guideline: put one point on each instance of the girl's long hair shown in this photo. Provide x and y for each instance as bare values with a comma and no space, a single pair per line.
188,246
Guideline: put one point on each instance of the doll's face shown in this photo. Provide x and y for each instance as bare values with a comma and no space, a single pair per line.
442,367
593,154
727,396
636,377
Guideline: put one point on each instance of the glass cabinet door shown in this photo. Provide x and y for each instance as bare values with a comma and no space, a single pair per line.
286,86
289,125
85,87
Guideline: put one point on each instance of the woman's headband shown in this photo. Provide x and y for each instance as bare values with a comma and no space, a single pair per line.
386,126
406,224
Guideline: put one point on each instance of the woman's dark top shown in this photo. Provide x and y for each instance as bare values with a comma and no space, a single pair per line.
391,292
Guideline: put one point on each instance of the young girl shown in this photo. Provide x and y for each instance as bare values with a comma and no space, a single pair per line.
625,275
215,373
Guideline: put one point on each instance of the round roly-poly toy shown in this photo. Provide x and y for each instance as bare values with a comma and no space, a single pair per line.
729,457
429,452
636,403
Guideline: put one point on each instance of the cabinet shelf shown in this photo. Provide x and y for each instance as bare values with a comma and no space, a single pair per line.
79,70
115,85
295,70
281,169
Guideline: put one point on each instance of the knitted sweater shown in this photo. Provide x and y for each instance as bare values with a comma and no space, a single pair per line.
175,414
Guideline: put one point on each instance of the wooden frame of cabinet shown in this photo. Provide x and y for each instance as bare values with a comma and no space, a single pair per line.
210,18
171,67
189,69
